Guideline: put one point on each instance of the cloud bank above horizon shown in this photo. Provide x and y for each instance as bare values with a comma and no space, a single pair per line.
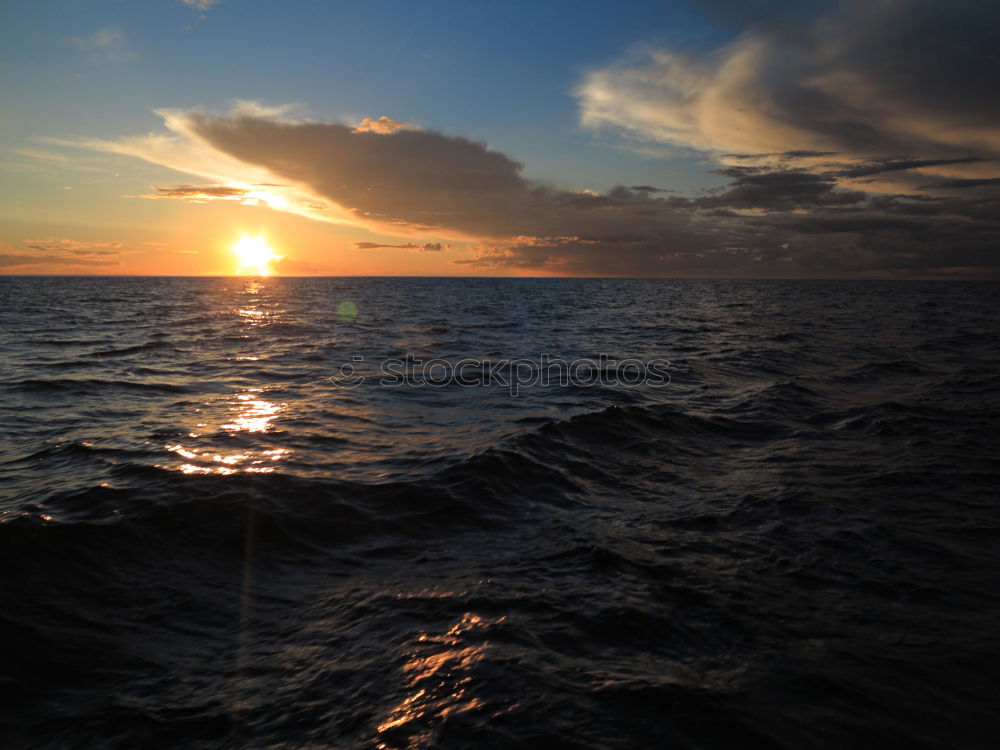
838,162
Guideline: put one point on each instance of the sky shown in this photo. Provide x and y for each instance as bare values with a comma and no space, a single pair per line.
673,138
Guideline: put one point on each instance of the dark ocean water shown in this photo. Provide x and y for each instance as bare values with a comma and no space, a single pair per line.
208,542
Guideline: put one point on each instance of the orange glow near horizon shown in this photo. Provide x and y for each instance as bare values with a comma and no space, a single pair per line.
255,256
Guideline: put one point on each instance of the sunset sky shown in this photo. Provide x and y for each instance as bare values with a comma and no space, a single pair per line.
733,139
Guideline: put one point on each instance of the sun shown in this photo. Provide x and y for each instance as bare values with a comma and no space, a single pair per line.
255,256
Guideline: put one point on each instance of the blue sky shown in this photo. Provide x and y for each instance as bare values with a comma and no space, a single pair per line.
505,76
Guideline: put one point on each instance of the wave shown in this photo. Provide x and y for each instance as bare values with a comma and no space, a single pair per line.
90,385
149,346
548,466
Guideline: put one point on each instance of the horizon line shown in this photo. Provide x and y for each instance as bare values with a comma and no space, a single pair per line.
450,276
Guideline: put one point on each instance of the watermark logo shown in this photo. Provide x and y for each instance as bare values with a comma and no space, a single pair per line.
511,374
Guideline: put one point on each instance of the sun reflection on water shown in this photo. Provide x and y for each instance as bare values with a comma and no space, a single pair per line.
257,308
439,681
235,433
248,414
256,414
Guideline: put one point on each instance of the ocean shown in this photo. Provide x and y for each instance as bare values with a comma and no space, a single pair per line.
498,513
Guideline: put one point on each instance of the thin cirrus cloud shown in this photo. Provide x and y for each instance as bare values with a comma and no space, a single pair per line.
265,194
201,5
60,252
198,193
106,45
69,246
12,261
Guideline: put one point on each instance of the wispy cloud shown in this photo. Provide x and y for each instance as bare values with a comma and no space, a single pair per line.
201,5
106,45
10,261
60,252
427,247
199,193
76,247
183,149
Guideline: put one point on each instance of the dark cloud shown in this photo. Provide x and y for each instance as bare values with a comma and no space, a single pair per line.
880,86
95,252
199,193
633,191
780,156
901,165
960,184
777,190
427,247
410,178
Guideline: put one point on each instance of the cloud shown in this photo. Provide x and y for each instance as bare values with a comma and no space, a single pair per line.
403,178
184,150
411,182
904,84
8,261
383,126
756,188
106,45
66,245
960,184
199,193
900,165
201,5
838,165
60,252
427,247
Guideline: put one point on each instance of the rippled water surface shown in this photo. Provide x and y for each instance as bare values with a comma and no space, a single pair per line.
208,539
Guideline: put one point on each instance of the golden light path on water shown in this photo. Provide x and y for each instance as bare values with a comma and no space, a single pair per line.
248,413
236,433
438,675
242,414
247,419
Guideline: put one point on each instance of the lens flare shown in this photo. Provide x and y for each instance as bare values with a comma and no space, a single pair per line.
255,256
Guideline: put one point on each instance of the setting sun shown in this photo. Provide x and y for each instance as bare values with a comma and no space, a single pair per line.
255,256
